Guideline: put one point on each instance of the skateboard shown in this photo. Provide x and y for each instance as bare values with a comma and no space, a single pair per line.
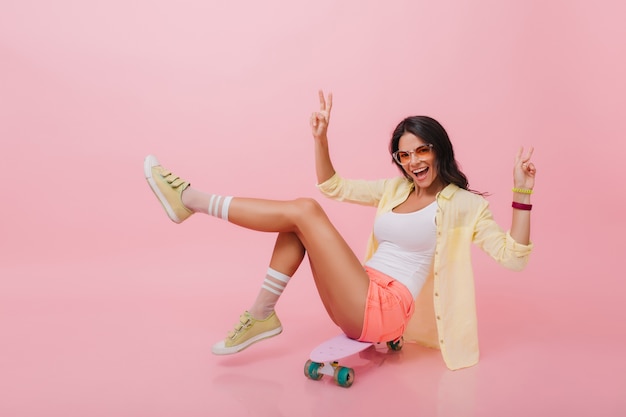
324,359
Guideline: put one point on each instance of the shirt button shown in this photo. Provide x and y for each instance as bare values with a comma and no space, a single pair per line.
436,295
441,341
438,318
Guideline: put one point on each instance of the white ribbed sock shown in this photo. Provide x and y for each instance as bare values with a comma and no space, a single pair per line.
273,286
218,206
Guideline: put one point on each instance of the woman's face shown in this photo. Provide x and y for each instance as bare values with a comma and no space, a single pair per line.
418,160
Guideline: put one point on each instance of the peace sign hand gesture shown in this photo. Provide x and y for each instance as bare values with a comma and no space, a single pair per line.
319,120
524,171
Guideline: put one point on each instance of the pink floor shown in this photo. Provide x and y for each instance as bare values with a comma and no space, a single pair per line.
129,335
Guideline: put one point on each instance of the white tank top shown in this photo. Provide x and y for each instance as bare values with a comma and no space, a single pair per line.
406,243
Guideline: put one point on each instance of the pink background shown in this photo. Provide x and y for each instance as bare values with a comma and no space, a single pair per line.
107,308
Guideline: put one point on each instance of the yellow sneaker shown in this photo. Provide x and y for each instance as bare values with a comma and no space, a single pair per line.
168,188
248,331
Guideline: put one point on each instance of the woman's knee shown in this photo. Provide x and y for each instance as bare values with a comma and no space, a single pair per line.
308,208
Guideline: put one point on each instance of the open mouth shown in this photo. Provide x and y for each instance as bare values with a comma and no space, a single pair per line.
421,173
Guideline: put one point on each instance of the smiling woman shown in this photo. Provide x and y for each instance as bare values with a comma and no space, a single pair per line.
375,301
428,137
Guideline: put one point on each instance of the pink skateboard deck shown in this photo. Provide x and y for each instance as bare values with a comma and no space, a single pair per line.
324,359
337,348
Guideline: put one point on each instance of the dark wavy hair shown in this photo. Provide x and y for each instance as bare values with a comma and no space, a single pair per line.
431,131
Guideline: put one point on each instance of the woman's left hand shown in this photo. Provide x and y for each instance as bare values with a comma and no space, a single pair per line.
524,171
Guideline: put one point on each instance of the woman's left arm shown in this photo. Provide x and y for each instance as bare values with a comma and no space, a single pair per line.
523,183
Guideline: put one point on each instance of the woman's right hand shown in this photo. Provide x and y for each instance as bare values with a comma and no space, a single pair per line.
319,120
319,126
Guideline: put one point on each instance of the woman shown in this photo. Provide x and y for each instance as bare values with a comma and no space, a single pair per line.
418,256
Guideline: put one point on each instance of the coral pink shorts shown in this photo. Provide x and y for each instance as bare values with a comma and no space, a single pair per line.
388,308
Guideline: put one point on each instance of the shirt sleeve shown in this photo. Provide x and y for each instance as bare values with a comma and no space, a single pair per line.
362,192
499,244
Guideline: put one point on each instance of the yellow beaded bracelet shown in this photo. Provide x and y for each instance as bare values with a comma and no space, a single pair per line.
523,190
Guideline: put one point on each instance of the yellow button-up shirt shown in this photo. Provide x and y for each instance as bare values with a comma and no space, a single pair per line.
445,309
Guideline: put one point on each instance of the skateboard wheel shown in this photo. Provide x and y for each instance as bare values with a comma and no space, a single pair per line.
396,344
344,377
311,368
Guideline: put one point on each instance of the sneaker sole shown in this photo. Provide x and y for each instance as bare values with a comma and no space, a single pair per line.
148,163
235,349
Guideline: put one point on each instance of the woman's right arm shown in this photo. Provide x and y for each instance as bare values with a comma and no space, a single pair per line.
319,127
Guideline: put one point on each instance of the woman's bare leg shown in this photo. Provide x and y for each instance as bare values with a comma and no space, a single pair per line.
341,281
